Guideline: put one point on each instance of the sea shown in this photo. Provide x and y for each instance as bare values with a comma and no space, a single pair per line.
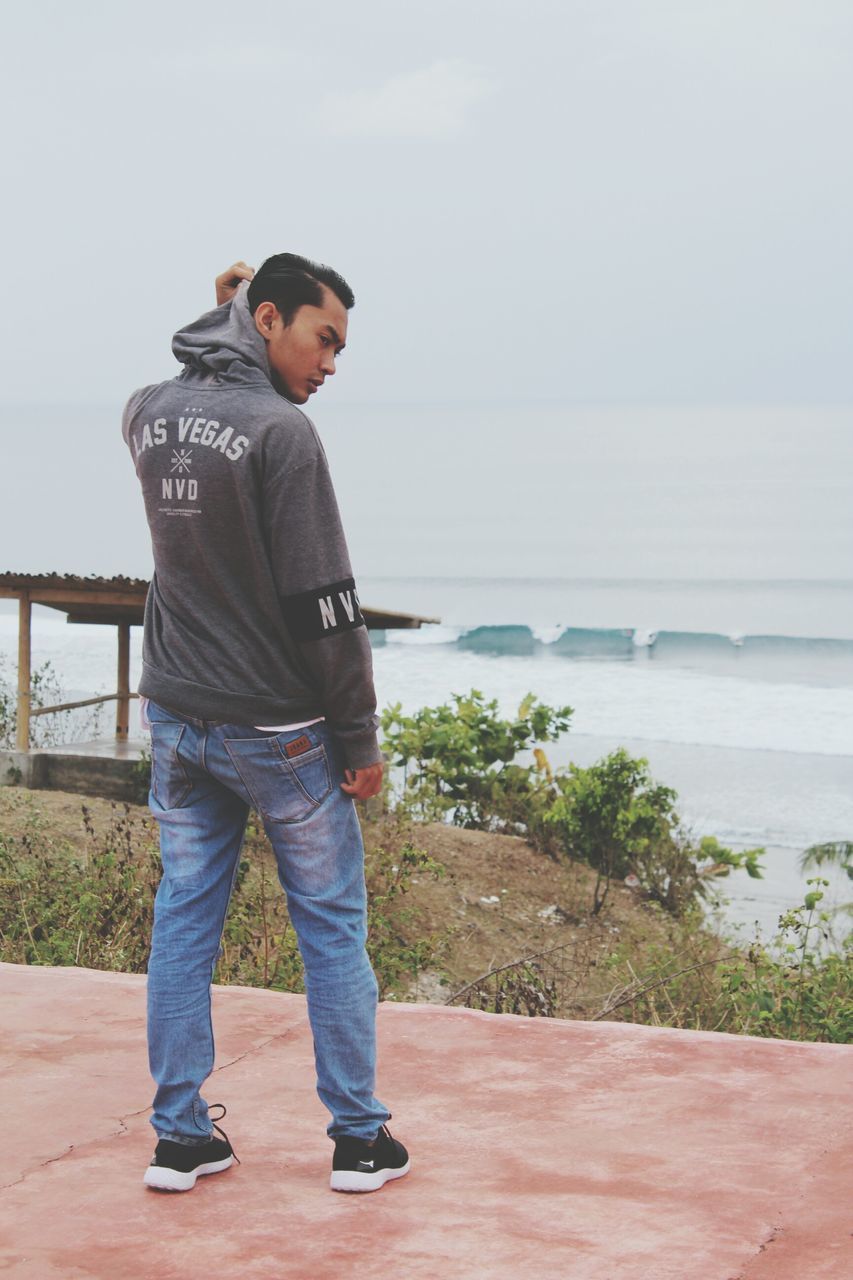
682,578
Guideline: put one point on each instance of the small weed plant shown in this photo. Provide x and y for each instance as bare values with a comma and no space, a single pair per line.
788,988
389,873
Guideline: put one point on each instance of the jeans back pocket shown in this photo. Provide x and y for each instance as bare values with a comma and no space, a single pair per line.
170,782
282,789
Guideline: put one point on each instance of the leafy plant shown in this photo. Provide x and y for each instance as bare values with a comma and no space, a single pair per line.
615,817
676,872
789,989
609,815
459,759
835,853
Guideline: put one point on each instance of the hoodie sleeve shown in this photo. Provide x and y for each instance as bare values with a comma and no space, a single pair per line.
318,597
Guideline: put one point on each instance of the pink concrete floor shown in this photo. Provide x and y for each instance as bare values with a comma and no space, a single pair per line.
540,1149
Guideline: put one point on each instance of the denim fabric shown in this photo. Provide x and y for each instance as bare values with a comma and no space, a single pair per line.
205,777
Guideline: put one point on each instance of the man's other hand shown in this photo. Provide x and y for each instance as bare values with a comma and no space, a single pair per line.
228,282
361,784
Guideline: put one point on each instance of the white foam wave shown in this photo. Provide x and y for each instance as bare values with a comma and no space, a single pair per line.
428,634
547,635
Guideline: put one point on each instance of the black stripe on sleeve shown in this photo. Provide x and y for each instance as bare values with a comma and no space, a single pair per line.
324,611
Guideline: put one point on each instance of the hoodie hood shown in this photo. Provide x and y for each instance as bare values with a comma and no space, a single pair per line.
224,345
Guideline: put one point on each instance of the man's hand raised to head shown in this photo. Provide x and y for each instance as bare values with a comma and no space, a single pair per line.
229,281
361,784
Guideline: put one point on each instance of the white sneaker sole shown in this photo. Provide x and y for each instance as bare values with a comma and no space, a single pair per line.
350,1180
161,1178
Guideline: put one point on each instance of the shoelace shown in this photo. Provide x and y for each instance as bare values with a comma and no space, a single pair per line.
222,1114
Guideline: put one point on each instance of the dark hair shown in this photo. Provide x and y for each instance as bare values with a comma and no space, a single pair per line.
290,282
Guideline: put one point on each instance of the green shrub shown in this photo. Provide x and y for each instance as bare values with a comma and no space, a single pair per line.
458,760
613,816
610,815
459,763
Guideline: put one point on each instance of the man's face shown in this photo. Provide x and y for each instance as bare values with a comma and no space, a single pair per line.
302,355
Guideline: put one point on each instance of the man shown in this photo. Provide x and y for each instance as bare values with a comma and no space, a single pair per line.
258,680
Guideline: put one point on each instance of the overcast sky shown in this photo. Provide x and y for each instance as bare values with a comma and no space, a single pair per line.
599,202
591,200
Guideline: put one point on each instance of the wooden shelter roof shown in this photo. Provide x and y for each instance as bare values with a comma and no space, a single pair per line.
122,600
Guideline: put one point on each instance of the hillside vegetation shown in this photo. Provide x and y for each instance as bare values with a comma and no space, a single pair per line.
474,917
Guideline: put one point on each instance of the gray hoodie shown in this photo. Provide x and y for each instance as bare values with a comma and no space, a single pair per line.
252,616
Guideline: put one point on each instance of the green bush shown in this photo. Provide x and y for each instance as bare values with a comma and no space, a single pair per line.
613,816
610,816
459,760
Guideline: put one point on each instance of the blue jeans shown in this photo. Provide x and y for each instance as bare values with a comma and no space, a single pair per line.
205,778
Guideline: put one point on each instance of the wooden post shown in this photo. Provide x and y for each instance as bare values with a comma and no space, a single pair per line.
123,687
25,611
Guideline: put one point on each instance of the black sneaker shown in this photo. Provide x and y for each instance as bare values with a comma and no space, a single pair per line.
176,1165
359,1165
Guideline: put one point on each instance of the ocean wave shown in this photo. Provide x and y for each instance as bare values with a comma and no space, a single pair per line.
622,642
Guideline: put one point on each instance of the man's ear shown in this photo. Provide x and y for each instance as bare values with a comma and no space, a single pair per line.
265,317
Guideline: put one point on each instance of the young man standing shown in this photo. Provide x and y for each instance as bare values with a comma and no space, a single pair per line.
258,680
